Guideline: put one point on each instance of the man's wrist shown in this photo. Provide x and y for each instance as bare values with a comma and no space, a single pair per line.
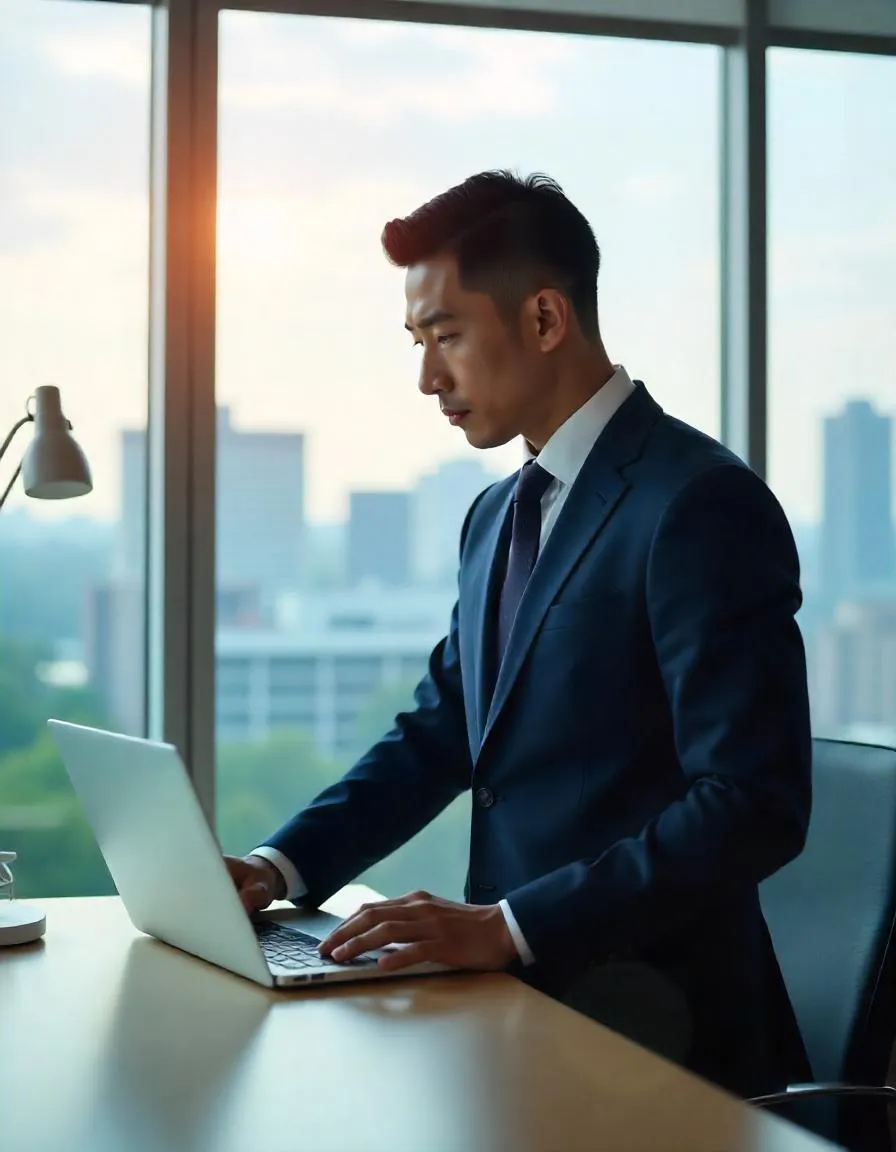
277,880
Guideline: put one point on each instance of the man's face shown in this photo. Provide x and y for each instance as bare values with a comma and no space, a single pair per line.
486,375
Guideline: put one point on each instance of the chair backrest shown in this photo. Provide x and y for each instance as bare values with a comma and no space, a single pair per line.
830,913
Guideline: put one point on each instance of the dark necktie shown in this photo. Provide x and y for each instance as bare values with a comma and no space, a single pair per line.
525,537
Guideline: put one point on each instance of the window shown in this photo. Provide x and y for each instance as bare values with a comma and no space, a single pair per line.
328,128
358,673
292,674
74,243
832,172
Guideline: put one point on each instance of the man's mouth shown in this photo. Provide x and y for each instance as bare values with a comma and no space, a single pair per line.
456,415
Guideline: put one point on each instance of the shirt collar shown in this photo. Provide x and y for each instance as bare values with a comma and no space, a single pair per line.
567,450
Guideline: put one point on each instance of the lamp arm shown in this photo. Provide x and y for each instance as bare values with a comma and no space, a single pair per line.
21,424
6,443
10,485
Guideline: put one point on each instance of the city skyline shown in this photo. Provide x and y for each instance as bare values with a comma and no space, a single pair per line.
30,508
299,226
311,651
329,127
340,490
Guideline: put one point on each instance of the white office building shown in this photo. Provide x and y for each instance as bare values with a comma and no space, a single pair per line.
328,655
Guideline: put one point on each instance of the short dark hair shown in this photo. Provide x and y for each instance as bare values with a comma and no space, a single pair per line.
510,236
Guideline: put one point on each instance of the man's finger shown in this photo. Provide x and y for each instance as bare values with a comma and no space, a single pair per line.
363,921
407,898
390,932
255,896
412,954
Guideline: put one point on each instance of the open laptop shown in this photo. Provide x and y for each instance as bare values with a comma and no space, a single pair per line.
171,877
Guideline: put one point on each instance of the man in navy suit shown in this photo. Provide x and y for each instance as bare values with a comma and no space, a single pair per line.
622,686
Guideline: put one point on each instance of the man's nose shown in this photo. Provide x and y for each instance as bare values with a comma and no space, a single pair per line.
433,379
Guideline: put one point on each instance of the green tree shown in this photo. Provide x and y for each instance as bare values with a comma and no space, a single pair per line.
378,715
26,702
21,694
40,817
42,821
34,604
261,784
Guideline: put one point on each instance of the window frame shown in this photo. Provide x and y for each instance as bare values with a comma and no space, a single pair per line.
180,704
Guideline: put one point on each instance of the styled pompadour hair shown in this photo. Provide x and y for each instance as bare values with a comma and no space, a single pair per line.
510,236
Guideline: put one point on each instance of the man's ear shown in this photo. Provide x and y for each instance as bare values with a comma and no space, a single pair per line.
546,316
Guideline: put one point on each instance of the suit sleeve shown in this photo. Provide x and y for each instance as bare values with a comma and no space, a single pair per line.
722,588
395,789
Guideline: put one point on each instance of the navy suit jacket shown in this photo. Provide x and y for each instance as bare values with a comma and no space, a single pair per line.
641,759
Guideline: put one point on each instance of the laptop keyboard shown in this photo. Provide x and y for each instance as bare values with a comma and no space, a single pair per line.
289,948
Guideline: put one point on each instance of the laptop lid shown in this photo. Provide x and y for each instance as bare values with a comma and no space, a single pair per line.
158,847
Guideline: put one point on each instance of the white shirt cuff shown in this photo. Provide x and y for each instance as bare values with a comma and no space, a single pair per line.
518,938
295,885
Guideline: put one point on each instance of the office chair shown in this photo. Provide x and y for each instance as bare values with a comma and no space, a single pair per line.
831,916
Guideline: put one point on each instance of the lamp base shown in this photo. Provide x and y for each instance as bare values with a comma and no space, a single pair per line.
20,923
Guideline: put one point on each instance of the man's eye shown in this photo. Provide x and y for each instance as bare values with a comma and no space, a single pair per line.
446,338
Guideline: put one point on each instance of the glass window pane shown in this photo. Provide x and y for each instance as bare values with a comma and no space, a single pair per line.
340,489
833,392
832,157
74,241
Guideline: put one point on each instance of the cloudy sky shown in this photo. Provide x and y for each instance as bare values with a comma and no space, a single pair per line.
328,128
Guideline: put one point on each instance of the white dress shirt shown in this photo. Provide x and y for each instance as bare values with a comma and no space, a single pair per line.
562,456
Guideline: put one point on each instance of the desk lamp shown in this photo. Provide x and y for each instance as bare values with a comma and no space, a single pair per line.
53,468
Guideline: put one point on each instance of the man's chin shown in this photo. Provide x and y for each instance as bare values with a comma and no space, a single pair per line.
487,437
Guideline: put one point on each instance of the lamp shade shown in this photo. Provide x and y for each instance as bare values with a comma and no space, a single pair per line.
53,467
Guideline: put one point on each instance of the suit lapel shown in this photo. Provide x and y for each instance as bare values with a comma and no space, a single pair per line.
593,498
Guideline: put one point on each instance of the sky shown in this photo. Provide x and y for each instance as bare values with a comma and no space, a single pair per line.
328,128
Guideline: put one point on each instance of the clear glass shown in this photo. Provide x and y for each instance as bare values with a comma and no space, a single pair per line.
832,388
74,243
341,490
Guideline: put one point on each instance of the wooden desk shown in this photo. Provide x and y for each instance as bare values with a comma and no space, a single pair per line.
112,1042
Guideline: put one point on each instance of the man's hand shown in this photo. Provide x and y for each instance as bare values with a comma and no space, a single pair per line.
428,928
257,881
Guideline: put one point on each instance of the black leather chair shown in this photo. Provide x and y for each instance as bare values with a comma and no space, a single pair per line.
831,916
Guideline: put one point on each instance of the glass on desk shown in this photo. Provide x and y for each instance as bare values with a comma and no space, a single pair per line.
7,886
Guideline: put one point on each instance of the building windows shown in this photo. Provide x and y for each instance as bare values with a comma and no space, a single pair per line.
357,673
292,674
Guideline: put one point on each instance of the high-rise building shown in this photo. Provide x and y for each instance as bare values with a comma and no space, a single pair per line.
853,673
857,530
115,651
260,509
260,552
440,503
379,537
129,562
323,663
114,643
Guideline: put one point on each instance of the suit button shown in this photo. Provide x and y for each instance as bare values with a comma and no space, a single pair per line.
485,797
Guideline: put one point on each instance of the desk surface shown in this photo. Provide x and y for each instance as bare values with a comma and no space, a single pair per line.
112,1042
